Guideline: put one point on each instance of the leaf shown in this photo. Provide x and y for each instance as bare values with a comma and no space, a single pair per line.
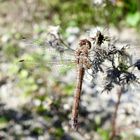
133,19
3,122
104,134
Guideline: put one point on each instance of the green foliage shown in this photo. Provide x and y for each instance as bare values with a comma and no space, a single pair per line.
10,50
3,122
38,131
103,133
133,19
82,13
128,136
58,133
69,89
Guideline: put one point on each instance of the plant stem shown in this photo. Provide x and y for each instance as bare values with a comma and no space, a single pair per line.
114,119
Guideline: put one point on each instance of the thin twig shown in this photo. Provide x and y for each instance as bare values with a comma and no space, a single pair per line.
114,119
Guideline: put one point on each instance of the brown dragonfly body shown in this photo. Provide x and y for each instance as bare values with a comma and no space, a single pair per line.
82,64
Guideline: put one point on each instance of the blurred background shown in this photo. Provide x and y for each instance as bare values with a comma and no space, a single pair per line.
35,101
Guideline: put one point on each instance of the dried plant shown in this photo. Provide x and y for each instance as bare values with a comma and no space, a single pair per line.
118,73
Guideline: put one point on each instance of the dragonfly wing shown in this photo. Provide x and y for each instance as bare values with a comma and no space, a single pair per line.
48,48
44,65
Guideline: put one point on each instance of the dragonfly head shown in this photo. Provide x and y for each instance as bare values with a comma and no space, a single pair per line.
85,42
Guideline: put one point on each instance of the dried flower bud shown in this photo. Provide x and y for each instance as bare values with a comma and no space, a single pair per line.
137,64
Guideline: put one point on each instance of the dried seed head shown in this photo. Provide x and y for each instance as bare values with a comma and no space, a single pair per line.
137,64
99,38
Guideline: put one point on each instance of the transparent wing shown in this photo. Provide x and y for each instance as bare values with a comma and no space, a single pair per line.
49,53
51,50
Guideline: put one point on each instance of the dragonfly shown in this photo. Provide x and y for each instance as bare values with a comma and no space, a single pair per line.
83,55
